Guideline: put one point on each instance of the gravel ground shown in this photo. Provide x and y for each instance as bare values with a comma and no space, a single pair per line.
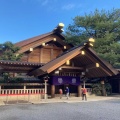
100,110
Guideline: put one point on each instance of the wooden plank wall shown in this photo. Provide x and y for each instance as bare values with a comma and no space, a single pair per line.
42,54
46,56
34,56
24,57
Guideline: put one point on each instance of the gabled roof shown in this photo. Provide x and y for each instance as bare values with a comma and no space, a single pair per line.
87,62
36,38
36,41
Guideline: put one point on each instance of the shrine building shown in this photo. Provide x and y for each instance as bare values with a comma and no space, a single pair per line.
48,57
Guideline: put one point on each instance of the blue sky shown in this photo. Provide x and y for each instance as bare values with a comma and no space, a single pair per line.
22,19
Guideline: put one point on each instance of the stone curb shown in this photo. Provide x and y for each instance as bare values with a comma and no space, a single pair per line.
70,100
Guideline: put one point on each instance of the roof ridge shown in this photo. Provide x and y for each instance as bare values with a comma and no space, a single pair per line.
32,39
58,30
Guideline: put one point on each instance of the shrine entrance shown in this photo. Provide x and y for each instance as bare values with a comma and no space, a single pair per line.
61,82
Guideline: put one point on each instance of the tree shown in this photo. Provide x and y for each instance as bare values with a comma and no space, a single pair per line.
9,52
104,27
97,88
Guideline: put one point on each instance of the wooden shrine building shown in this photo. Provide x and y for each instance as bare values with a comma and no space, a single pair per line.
49,55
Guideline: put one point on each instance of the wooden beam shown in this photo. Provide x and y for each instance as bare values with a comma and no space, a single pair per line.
31,49
71,67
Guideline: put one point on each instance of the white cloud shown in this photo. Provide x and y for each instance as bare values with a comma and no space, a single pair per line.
68,6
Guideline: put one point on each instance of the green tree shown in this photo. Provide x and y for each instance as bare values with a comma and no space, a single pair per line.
104,26
9,52
97,88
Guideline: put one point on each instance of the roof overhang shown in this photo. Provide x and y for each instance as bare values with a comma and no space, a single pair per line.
80,63
18,66
85,63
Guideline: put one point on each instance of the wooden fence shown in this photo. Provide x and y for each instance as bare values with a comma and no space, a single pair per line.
21,91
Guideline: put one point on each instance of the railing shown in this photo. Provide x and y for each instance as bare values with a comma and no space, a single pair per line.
21,95
21,91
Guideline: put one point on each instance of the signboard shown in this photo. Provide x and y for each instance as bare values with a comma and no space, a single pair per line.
61,80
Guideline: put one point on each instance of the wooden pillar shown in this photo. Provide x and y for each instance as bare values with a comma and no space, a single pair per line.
52,91
51,54
41,55
84,84
24,88
79,90
103,88
46,89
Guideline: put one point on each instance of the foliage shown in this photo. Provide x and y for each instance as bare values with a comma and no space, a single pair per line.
16,80
9,52
108,88
104,26
97,88
7,79
1,80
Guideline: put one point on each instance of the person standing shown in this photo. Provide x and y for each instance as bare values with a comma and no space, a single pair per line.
61,93
84,92
67,92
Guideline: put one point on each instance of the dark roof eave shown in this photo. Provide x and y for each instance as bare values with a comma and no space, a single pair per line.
8,62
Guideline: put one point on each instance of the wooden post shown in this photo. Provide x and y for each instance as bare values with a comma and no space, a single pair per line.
79,90
51,56
45,89
52,91
103,88
84,84
24,88
41,55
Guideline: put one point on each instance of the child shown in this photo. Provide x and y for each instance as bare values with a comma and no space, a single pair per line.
60,92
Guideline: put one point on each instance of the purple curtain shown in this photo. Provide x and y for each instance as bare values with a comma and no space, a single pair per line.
60,80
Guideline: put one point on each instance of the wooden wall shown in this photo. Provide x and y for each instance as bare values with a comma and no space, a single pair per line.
42,54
